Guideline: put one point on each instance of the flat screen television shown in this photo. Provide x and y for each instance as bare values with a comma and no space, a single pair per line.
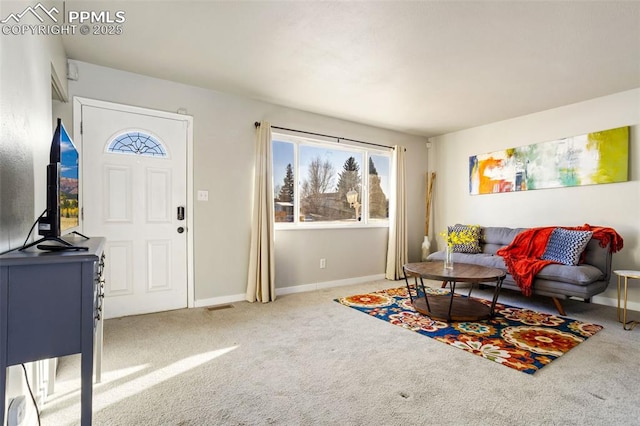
64,155
62,215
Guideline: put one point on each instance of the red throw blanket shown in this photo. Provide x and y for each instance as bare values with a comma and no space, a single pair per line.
522,256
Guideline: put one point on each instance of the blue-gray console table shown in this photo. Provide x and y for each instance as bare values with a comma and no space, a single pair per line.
50,304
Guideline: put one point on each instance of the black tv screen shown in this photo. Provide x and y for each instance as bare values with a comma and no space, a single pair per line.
68,183
62,214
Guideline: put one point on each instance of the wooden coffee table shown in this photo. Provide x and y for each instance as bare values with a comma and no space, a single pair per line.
446,307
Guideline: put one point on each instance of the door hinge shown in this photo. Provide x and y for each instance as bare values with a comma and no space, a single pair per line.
81,128
81,213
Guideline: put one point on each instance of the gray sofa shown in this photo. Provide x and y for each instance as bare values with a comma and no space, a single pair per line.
557,281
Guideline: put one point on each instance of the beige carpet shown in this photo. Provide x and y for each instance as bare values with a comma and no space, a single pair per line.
306,360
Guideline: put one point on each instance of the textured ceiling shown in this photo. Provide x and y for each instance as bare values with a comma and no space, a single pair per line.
422,67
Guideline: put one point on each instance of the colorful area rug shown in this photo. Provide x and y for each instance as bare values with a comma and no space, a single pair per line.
518,338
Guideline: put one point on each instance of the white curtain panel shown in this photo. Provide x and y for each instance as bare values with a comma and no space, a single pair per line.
261,280
398,245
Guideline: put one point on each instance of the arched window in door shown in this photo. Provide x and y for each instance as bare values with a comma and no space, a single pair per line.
137,143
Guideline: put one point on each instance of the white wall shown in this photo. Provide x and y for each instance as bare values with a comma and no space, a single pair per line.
616,205
26,67
224,139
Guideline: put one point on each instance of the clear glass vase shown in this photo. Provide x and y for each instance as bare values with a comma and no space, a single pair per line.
448,257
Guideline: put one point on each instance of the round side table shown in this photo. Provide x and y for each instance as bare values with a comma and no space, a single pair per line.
627,325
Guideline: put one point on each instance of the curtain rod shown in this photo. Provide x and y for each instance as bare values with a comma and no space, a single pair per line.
257,124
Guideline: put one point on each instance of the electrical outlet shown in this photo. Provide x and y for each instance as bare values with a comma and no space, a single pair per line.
203,195
323,263
16,411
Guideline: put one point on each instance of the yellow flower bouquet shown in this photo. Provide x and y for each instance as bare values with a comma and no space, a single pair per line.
460,238
460,235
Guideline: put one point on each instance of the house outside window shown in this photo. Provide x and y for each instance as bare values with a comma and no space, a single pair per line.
327,184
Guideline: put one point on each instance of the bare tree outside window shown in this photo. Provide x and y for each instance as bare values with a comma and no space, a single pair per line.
316,202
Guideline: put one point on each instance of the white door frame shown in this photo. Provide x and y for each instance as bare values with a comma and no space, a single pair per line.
78,102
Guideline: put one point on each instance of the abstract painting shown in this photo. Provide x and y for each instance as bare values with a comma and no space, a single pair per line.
593,158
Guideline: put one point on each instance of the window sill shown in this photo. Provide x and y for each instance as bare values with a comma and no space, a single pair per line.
319,226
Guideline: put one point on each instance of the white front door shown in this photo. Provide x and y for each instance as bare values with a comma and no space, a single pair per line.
134,187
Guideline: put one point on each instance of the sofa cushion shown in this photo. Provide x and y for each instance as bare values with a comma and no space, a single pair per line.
493,238
581,274
566,246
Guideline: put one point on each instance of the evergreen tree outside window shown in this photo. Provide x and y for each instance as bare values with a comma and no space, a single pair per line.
349,179
284,185
286,191
378,199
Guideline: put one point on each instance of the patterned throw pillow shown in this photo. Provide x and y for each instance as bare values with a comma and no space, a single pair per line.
566,246
473,246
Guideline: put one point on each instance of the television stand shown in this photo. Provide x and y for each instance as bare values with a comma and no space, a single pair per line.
51,306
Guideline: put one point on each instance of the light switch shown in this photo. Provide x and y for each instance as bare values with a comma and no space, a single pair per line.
203,195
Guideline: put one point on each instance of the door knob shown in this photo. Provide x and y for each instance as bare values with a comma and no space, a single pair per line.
180,230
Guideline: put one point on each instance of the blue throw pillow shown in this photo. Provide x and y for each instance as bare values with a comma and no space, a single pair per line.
566,246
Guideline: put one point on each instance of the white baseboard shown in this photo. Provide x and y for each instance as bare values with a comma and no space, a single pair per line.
217,301
610,301
327,284
225,300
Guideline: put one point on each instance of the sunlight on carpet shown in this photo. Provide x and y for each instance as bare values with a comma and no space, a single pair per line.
518,338
105,394
57,400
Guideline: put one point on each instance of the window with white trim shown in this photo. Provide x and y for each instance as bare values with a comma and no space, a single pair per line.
317,183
